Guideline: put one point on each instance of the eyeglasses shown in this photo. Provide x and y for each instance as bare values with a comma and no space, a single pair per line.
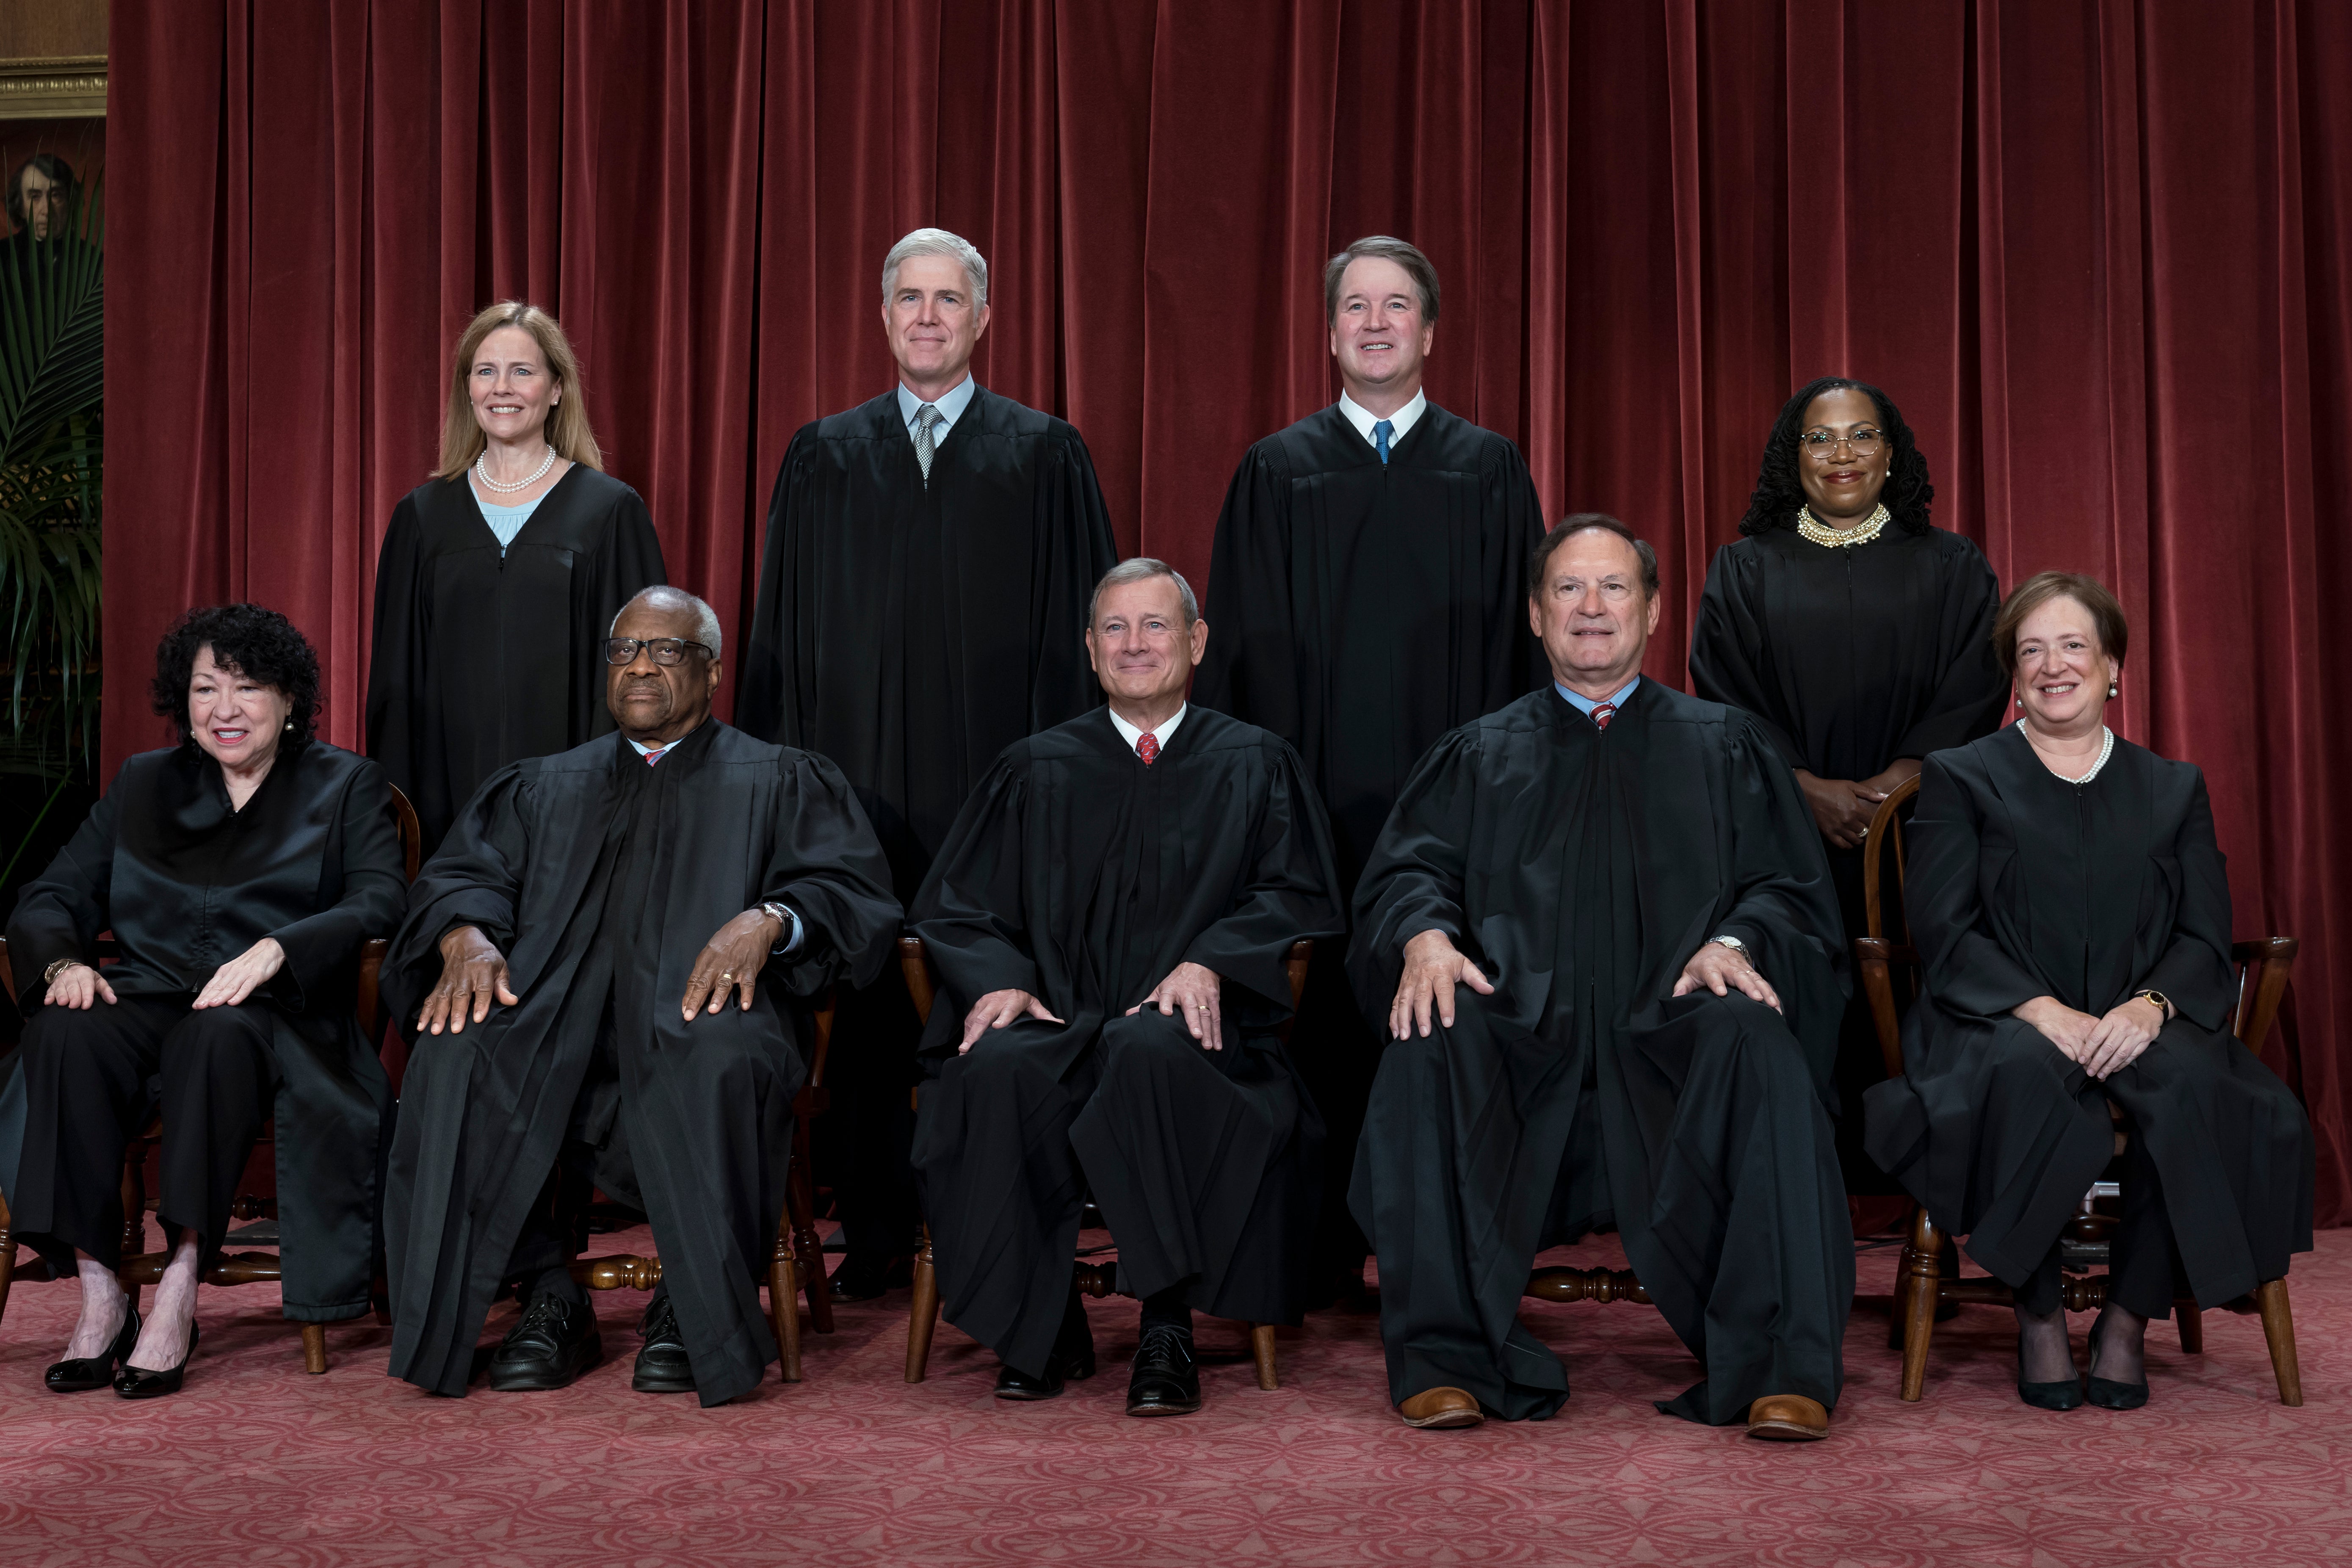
665,650
1820,443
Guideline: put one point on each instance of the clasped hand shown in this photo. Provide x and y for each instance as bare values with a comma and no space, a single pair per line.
2101,1046
1723,971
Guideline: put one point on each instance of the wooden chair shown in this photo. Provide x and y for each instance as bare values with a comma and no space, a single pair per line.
1096,1280
797,1261
1927,1279
141,1268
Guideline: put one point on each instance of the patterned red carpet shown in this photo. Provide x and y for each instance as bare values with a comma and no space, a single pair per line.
256,1463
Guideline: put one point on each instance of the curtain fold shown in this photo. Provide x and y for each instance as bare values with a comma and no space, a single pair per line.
2098,252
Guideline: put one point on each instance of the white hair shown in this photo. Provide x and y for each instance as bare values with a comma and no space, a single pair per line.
1142,568
936,242
659,597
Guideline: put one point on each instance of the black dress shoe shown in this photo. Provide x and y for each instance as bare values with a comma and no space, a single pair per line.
1073,1358
1166,1380
138,1383
662,1365
85,1373
2108,1394
863,1277
554,1342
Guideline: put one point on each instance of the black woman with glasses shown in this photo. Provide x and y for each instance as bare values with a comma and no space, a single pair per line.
1860,634
501,573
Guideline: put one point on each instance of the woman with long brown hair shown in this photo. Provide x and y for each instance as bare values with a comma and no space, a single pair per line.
501,575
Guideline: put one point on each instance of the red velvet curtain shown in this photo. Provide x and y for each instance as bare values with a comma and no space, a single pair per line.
2098,250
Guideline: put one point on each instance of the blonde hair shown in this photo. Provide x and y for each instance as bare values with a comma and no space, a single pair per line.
567,422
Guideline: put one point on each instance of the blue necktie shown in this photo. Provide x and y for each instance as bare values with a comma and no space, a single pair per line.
1381,434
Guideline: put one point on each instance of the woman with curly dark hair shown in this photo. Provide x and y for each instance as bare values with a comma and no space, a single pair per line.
1857,632
240,871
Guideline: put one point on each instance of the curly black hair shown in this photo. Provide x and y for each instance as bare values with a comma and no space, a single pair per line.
1780,492
256,642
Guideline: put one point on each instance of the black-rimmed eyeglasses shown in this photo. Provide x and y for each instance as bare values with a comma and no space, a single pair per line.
665,650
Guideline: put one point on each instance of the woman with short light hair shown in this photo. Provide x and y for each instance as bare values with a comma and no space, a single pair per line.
501,574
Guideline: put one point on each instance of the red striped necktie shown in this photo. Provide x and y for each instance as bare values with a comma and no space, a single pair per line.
656,755
1148,748
1602,714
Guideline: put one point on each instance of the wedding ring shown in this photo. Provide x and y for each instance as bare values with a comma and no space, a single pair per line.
726,975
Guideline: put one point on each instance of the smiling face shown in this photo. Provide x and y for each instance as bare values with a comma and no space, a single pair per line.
234,720
1591,614
657,703
2061,672
1140,647
512,390
1841,483
1378,336
932,324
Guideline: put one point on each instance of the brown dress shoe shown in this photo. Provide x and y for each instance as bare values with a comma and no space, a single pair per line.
1787,1418
1441,1407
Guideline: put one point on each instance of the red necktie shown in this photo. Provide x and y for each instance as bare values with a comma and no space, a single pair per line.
1148,748
653,757
1602,714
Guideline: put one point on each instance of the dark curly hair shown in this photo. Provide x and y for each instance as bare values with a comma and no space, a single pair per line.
256,642
1780,492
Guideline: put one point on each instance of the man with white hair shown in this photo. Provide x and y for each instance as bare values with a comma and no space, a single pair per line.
608,968
921,599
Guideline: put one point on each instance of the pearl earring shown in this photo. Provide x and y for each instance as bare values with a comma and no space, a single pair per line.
2111,688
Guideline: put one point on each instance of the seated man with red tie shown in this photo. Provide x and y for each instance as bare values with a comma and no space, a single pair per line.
1628,885
1109,918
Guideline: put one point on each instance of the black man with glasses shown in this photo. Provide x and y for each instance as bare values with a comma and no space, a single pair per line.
1860,637
608,969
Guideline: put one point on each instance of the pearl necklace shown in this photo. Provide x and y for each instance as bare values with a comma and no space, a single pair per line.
1838,538
2107,750
537,474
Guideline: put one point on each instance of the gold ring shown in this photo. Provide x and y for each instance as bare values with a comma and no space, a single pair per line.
726,975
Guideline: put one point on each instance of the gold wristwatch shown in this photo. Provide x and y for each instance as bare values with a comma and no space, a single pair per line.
2163,1003
59,966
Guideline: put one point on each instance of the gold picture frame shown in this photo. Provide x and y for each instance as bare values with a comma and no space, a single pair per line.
70,86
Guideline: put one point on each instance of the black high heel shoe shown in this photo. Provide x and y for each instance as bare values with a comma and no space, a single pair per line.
2061,1396
2106,1392
138,1383
85,1373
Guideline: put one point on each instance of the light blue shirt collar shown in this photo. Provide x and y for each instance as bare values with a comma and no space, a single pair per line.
950,405
1585,705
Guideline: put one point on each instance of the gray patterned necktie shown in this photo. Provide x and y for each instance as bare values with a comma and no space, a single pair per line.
926,443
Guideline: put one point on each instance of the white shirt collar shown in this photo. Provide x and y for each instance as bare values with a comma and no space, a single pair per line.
1402,420
1130,734
951,405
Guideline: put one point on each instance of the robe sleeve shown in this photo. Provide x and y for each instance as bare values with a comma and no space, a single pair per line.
767,675
1072,545
1515,660
970,913
629,562
320,948
474,878
2195,971
1967,968
398,640
1968,698
1726,647
1415,879
1250,668
1292,893
61,913
827,867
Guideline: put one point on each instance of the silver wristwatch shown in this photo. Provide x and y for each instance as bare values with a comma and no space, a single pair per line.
786,924
1733,942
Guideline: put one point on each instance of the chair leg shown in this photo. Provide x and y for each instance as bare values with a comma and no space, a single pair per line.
800,1212
1922,1261
2278,1329
314,1348
923,1317
2192,1327
1262,1352
784,1307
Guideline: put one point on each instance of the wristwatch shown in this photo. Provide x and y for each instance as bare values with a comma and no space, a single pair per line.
1733,942
787,924
2163,1003
57,967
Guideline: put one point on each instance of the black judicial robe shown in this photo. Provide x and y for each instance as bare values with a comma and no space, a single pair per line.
1081,876
187,883
481,659
2022,885
911,632
600,880
1581,869
1849,658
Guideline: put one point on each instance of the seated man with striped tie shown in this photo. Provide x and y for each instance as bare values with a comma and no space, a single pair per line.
1628,886
1109,918
610,963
